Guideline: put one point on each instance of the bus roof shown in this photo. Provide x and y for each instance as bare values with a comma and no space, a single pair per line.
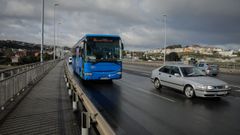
101,35
96,35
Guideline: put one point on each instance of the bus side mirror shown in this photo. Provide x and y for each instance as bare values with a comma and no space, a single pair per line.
122,46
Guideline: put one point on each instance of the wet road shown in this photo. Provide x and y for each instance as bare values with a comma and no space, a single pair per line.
132,106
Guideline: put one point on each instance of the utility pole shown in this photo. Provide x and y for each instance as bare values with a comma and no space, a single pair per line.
54,18
41,53
165,37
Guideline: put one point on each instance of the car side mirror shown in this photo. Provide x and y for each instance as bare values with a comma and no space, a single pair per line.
177,74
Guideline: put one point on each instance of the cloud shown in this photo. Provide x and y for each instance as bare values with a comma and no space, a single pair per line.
139,22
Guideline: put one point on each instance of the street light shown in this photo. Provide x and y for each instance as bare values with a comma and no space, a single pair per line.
57,29
165,37
41,52
57,35
54,18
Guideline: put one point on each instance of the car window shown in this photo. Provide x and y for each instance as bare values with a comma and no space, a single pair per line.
165,69
191,72
175,70
201,65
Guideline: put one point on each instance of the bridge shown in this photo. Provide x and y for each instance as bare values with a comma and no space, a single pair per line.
47,98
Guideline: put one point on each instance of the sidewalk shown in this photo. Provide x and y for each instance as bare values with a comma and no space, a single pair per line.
45,110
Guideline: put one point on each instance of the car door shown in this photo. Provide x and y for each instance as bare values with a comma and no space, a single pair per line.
164,75
175,81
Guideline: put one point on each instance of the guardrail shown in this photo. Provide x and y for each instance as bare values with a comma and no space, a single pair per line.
92,115
154,64
223,67
227,65
15,80
13,70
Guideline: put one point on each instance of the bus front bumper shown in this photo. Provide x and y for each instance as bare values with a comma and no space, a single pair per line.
102,75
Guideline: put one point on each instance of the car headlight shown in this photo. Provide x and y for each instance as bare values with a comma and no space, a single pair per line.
202,87
227,87
210,87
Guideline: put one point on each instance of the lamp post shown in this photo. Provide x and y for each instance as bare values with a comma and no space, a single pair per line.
57,29
57,35
54,18
165,37
41,52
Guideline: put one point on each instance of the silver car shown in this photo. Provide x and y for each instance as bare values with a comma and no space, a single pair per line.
190,80
211,70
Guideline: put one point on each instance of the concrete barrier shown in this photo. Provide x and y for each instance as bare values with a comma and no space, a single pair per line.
92,113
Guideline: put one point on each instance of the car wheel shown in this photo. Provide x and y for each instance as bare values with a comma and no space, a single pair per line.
157,84
189,92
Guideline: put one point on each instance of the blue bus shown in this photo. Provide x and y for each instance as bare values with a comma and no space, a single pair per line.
98,57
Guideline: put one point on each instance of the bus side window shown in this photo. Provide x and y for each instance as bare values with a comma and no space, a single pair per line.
77,52
83,49
80,51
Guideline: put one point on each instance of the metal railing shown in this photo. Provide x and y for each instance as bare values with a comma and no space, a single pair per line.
13,81
13,70
227,65
224,67
92,115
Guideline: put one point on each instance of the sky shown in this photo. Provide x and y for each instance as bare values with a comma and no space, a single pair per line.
140,23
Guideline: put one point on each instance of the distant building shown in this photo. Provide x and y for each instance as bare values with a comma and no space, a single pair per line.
187,50
37,53
15,59
217,49
227,53
204,50
21,52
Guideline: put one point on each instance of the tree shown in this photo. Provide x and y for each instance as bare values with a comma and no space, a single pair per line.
173,56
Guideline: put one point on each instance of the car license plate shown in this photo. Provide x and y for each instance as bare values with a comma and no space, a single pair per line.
222,92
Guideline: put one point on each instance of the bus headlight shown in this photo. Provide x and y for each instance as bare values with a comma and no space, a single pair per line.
88,74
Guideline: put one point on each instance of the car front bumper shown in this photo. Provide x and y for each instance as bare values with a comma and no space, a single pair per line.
213,93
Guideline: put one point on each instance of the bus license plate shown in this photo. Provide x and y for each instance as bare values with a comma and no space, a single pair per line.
104,78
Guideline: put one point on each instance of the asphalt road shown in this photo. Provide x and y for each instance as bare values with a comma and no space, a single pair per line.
133,107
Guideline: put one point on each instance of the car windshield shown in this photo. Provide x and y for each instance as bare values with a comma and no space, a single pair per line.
201,65
191,72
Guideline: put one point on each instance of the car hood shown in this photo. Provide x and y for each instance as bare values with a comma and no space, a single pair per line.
206,80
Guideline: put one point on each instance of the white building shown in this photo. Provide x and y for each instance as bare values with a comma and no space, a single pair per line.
227,53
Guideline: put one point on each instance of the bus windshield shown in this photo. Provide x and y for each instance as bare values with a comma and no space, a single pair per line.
103,50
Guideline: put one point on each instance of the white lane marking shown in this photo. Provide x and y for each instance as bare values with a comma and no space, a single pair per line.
234,86
147,92
137,70
145,73
237,90
142,90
